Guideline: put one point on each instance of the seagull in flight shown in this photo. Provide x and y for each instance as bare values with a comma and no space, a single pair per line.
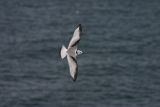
72,52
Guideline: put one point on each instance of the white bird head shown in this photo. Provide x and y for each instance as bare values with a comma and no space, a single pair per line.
79,52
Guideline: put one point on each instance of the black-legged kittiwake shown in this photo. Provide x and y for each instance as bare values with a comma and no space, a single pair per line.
72,52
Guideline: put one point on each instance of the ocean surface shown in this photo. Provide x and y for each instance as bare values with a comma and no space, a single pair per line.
120,66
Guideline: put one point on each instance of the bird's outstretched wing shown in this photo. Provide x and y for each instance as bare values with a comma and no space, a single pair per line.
73,67
76,37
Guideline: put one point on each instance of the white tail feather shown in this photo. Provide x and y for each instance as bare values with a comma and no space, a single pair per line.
63,52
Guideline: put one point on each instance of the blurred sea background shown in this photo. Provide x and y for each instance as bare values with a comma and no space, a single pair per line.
120,67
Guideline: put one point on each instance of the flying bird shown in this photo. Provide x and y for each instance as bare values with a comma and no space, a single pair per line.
72,52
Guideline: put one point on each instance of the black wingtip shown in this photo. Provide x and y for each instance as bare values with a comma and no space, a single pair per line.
75,77
80,27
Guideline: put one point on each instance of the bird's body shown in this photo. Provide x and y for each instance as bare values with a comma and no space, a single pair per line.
72,52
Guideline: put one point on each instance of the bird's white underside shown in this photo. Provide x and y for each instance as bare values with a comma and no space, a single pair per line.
76,37
72,66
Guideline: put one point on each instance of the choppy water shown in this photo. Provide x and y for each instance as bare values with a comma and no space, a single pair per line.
121,66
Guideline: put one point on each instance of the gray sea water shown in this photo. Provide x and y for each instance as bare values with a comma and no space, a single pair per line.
120,66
